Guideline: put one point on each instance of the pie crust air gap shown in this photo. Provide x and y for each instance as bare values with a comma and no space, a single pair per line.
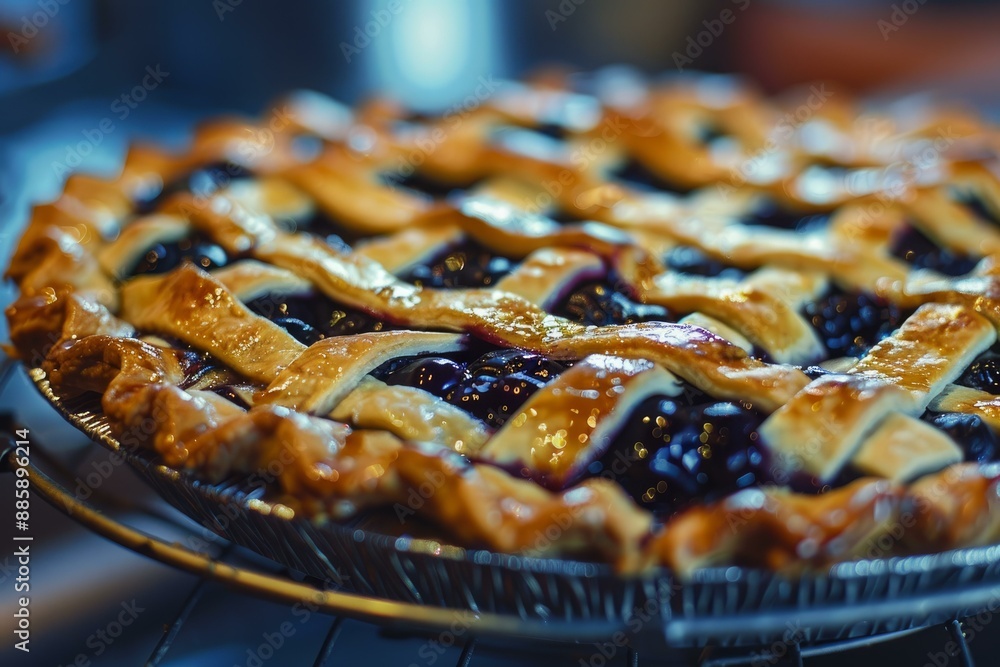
645,330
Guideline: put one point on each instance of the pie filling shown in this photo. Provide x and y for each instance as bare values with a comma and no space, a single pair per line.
672,359
920,252
671,451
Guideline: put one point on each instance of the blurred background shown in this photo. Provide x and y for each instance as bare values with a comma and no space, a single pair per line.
101,72
80,79
241,53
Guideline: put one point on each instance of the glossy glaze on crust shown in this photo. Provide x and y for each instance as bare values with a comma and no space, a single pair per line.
820,429
570,421
81,310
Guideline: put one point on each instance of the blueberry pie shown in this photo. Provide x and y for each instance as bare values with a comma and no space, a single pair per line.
596,318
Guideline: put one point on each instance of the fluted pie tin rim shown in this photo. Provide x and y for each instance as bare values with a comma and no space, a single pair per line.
723,605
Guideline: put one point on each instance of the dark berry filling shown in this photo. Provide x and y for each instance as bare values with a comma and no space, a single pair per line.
311,317
970,432
849,324
202,182
983,374
709,132
227,392
977,206
768,213
164,257
334,234
418,182
670,454
690,260
601,304
553,131
814,372
638,176
194,364
511,361
468,265
494,399
916,249
435,375
498,383
491,387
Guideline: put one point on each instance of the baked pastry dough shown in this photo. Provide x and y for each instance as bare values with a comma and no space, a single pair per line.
649,331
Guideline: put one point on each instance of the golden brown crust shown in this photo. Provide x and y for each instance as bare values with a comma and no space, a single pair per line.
47,320
550,440
191,306
777,530
957,507
901,374
75,321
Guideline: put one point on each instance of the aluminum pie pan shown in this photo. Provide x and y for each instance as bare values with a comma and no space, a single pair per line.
726,606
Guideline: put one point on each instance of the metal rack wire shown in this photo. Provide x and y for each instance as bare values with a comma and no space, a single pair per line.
285,586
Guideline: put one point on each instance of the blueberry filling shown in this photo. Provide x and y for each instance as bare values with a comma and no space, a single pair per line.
768,213
983,374
850,323
500,382
690,260
601,304
329,231
164,257
670,454
435,375
564,216
468,265
311,317
919,251
553,130
491,387
420,183
194,365
202,182
709,132
977,206
815,372
970,432
672,451
638,176
512,362
228,393
197,365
